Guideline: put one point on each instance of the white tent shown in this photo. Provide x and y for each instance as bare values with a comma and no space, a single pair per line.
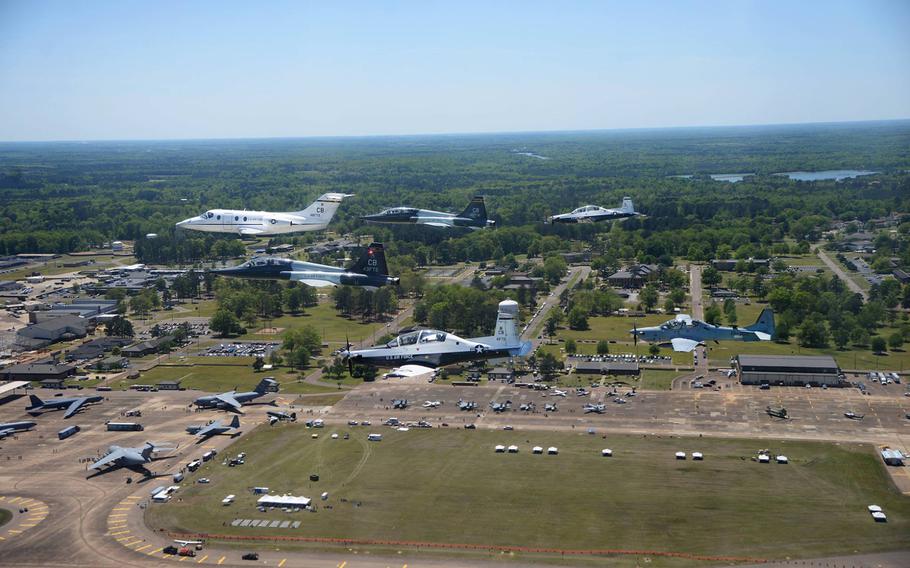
283,501
499,448
537,450
697,456
764,458
879,517
513,449
680,455
874,509
782,459
606,453
552,450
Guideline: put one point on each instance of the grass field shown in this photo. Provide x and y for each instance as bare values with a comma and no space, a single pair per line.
332,327
448,486
223,377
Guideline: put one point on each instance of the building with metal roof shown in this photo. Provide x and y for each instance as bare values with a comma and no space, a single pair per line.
789,370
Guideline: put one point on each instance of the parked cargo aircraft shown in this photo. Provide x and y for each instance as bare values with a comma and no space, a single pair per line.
370,271
430,348
130,458
316,217
685,333
595,213
473,217
233,400
72,405
215,428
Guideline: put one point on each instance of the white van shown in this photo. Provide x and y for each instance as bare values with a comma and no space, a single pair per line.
374,437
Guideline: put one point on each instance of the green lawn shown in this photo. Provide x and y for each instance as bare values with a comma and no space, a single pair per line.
219,378
332,327
449,486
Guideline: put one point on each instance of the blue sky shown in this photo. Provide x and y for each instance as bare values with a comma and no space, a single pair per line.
215,69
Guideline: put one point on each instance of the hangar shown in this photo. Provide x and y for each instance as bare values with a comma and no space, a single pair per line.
789,370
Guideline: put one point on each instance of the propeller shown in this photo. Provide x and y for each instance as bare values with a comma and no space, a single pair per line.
635,334
347,350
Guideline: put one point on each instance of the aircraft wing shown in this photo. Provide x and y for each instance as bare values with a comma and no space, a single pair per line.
762,336
108,459
438,225
74,407
250,231
312,282
208,430
410,370
686,345
229,400
5,433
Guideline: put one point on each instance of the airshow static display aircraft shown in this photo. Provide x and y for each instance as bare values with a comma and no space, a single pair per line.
595,213
316,217
423,350
233,400
214,428
369,272
72,405
473,217
131,458
685,333
11,428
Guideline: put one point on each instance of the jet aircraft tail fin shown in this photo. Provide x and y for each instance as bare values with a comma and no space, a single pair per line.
372,261
627,206
36,402
765,322
323,209
476,210
265,385
235,423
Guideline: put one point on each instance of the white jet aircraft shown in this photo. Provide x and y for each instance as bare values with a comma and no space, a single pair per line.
316,217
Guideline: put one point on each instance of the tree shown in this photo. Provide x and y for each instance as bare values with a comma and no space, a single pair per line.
782,332
895,341
258,364
813,333
547,364
224,323
578,319
570,346
669,306
841,335
653,349
119,326
649,297
879,344
306,337
603,347
710,277
299,357
554,268
553,322
712,314
730,311
678,295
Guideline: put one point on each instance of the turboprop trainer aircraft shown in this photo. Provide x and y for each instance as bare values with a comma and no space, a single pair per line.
473,217
685,333
595,213
72,405
370,271
233,400
316,217
423,350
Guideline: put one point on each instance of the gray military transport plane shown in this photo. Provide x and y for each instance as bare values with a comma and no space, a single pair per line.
10,428
316,217
595,213
473,217
215,428
233,400
423,350
130,458
685,333
72,405
369,272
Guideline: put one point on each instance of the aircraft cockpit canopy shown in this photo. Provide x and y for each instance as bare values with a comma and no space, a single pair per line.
414,337
266,261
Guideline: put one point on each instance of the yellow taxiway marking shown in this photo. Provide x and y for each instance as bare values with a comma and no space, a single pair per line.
154,552
283,560
121,532
134,543
2,497
220,560
28,525
121,509
120,526
123,538
342,565
14,531
184,558
2,538
117,515
14,499
201,560
36,518
141,548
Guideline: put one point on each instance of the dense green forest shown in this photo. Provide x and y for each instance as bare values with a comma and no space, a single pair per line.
62,197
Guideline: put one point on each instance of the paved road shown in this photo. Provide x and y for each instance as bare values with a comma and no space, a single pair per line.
837,269
698,312
576,274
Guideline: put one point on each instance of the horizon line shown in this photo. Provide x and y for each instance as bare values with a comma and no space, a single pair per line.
454,134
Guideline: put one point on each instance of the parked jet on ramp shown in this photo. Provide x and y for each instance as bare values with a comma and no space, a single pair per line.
595,213
473,217
369,272
316,217
131,458
11,428
214,428
233,400
685,333
72,405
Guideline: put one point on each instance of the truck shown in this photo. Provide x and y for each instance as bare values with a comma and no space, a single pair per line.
209,455
124,427
67,432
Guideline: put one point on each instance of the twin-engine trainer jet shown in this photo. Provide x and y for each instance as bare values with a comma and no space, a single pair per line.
214,428
685,333
473,218
233,400
426,349
370,271
130,458
595,213
316,217
72,405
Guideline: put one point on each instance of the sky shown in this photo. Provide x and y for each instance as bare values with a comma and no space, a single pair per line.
117,70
